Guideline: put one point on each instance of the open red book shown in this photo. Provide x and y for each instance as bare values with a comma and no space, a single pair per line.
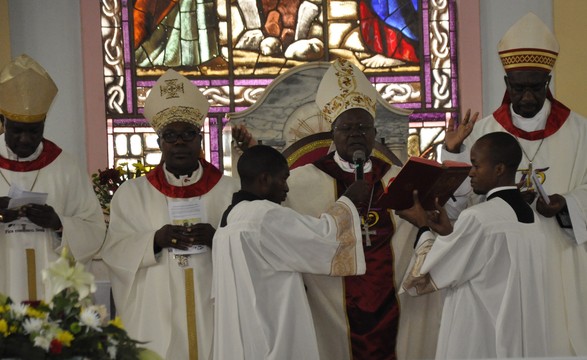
430,178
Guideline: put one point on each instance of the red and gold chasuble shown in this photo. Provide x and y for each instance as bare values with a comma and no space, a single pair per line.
371,303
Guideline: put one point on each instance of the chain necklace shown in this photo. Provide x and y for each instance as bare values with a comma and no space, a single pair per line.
366,220
34,182
530,162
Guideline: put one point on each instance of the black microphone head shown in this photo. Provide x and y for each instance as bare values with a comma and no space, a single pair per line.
359,157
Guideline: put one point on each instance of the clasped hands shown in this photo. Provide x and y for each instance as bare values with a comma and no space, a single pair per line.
183,237
40,215
437,220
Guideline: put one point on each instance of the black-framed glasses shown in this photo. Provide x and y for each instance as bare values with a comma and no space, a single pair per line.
172,136
360,128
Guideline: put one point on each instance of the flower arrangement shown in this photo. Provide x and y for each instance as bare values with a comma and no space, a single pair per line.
106,182
68,326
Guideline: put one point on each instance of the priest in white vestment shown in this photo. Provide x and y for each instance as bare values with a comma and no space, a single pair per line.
553,140
260,250
492,263
362,317
65,212
158,247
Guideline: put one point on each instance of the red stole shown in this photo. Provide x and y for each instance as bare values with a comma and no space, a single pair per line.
50,152
557,117
371,302
210,177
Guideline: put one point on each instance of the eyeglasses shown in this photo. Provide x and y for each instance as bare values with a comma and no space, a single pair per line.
360,128
171,137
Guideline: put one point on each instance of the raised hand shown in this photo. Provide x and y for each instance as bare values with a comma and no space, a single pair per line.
455,135
243,138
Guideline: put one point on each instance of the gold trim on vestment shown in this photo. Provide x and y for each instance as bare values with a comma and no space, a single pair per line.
421,283
190,305
31,267
344,261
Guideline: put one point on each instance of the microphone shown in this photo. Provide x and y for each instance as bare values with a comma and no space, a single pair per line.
359,161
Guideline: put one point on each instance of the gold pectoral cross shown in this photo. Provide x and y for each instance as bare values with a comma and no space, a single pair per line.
529,176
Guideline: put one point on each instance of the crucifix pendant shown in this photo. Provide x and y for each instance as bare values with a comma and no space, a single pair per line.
529,176
367,232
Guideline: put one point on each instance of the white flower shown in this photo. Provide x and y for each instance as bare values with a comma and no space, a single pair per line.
43,342
90,318
61,275
102,313
112,351
19,310
32,325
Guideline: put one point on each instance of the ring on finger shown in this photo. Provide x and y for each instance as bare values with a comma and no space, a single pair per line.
1,218
174,241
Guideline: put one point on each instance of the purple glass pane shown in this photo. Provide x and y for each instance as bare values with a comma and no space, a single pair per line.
129,92
394,79
253,82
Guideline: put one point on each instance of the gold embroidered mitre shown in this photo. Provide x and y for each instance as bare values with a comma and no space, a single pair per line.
345,87
528,45
174,98
26,90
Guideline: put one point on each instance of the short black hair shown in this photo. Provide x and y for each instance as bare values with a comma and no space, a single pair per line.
503,149
257,160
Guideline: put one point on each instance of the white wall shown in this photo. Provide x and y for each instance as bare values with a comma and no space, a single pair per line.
49,31
496,18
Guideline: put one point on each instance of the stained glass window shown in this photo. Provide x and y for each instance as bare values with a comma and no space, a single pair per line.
233,50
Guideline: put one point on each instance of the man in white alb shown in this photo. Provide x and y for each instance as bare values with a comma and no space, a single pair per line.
158,247
491,263
261,309
553,141
65,210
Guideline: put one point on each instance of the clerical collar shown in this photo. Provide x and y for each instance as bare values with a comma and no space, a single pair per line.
184,180
536,123
500,188
349,167
7,153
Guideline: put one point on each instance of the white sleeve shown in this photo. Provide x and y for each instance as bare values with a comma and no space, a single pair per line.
329,245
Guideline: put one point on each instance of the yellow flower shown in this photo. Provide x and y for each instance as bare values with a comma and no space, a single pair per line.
34,313
64,337
3,327
4,308
117,322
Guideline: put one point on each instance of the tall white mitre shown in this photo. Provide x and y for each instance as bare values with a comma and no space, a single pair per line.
174,98
344,87
528,45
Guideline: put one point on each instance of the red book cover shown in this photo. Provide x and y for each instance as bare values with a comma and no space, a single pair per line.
430,178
